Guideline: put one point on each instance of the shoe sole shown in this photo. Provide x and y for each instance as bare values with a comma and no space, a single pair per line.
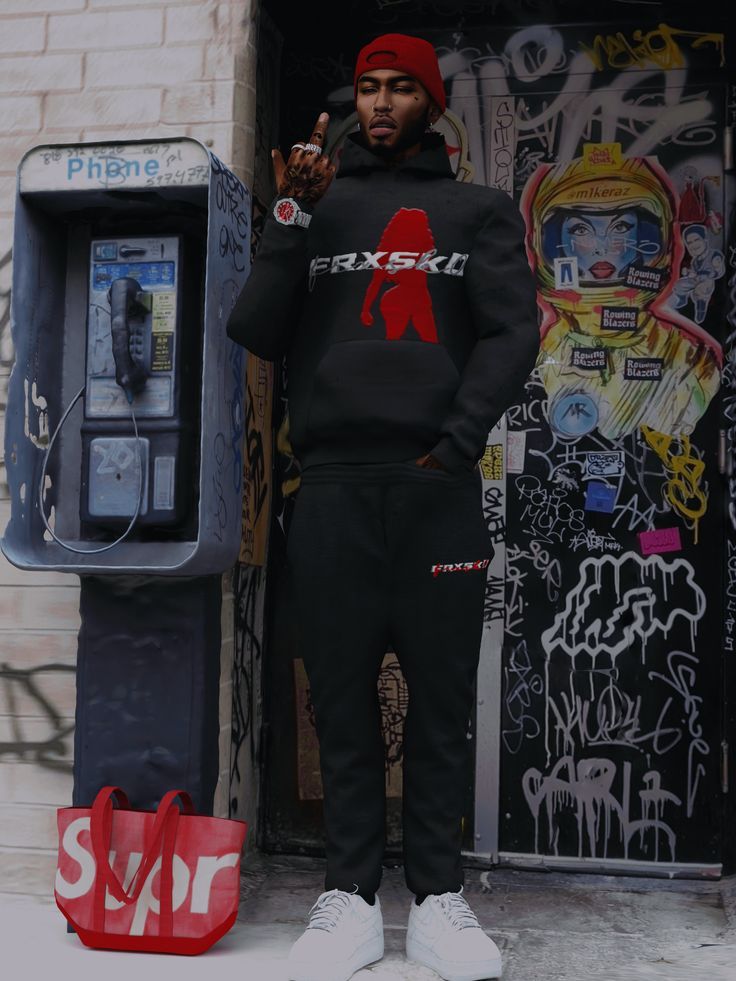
341,971
453,970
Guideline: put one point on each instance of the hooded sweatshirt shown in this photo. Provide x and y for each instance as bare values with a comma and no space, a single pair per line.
406,310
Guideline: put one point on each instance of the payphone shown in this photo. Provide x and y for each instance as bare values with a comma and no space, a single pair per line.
134,354
121,294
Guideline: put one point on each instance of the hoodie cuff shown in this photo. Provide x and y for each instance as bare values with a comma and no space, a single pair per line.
450,457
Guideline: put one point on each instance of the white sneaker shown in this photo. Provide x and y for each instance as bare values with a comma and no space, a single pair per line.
344,934
444,934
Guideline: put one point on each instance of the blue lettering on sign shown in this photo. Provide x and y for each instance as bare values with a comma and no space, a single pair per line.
147,273
109,170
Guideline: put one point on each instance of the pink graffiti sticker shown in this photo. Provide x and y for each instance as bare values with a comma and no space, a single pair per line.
660,540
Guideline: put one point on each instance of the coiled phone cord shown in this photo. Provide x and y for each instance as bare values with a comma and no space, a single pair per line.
41,487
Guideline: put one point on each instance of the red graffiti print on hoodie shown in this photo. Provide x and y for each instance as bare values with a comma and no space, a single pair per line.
408,298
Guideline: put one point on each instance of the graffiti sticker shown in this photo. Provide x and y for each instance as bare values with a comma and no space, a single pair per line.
619,318
609,464
491,463
660,540
566,273
600,497
644,369
515,450
588,357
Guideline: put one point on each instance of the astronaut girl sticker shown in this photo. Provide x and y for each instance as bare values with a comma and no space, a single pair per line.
613,357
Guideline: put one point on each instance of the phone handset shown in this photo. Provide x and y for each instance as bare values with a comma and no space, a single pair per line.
128,306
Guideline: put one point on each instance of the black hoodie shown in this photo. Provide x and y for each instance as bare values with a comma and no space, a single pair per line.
406,310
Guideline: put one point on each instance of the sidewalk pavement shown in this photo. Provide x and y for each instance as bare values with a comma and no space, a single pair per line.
549,926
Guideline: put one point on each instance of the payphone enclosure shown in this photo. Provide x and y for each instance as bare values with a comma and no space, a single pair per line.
131,252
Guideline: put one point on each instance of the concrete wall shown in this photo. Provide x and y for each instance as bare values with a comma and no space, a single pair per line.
82,70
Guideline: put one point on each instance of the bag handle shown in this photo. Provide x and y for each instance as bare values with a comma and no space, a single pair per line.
166,876
169,823
100,833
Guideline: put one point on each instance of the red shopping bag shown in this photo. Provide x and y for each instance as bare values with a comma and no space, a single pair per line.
165,882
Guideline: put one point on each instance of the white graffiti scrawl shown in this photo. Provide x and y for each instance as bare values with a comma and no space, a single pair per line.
600,619
586,788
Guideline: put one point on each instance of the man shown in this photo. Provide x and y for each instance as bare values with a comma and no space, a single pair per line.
698,280
391,398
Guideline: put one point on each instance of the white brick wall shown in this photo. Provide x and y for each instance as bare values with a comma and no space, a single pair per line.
23,35
193,23
22,114
12,7
119,110
80,70
29,73
172,66
106,30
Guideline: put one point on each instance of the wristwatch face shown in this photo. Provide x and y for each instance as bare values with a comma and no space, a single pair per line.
286,211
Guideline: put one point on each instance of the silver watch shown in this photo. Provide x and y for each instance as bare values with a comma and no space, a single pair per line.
287,212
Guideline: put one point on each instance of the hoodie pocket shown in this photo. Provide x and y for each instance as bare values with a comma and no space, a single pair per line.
382,389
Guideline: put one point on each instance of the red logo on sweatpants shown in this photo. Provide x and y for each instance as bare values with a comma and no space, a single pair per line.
459,566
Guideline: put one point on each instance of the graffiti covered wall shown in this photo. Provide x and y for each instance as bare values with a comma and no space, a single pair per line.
603,482
611,650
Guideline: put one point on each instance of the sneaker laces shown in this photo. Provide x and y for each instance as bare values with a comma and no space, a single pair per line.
459,913
328,909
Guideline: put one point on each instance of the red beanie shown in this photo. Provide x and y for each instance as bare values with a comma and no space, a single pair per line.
402,52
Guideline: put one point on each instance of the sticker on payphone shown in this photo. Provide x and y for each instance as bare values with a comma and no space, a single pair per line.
163,326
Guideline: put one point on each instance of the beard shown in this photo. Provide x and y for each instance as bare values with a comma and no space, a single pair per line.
412,135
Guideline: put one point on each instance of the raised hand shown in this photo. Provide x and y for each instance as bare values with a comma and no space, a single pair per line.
308,172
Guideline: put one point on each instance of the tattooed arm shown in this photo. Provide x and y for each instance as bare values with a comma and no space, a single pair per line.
306,175
267,309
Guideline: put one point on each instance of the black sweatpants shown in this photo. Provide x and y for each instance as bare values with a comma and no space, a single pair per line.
390,554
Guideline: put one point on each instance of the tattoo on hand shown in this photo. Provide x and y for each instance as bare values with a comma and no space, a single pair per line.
307,174
308,184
